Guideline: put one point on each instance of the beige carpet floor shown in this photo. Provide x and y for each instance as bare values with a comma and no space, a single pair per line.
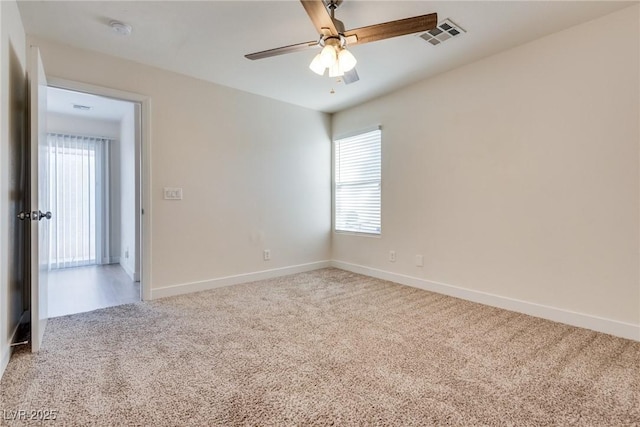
322,348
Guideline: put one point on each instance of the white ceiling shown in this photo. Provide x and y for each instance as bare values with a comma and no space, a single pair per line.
208,39
61,101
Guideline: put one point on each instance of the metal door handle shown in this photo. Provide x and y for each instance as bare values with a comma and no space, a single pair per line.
44,215
35,215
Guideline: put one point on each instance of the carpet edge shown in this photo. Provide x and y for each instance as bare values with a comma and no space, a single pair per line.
204,285
586,321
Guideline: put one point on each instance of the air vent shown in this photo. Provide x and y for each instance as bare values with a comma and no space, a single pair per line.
81,107
446,30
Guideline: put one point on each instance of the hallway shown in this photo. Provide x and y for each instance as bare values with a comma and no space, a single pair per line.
80,289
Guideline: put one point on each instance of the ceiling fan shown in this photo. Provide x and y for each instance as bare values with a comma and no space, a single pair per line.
334,39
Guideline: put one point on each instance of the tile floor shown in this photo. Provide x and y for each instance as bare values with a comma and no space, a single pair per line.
80,289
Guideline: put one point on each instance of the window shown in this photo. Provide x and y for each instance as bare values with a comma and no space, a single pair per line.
78,168
357,183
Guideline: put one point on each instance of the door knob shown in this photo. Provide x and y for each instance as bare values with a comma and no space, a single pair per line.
44,215
35,215
24,215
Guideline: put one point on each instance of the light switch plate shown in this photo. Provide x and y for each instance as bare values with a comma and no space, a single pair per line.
171,193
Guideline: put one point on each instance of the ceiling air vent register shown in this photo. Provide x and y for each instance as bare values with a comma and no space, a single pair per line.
446,30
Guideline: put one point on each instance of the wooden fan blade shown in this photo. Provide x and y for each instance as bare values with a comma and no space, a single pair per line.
282,50
387,30
350,76
319,15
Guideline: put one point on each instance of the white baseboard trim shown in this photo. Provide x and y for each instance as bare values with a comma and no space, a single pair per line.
128,270
599,324
205,285
6,348
4,359
25,317
133,275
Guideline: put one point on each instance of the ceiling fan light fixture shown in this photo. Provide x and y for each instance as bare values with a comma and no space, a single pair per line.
334,38
328,56
335,70
317,66
346,60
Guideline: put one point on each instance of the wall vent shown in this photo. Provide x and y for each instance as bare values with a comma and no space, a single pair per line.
446,30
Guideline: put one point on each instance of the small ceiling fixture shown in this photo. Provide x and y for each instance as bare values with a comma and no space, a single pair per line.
120,28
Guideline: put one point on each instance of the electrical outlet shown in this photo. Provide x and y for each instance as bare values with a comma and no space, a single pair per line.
419,261
392,256
266,255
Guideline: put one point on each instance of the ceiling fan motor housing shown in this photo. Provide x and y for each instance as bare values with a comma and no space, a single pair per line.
339,25
335,41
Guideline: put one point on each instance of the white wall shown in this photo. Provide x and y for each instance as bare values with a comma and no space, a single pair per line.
517,175
128,248
78,125
12,136
253,171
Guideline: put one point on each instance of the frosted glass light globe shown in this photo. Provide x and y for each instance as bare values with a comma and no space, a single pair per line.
317,66
346,60
328,55
335,70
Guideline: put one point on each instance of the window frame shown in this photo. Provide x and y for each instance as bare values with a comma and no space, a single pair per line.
335,184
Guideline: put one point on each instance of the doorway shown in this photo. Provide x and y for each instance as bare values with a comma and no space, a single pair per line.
94,187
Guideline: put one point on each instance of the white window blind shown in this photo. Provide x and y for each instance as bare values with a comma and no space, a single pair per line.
357,183
78,168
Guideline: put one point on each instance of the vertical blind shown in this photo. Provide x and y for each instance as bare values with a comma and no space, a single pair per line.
77,194
358,183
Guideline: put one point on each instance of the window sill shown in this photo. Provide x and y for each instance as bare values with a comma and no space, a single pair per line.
358,234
